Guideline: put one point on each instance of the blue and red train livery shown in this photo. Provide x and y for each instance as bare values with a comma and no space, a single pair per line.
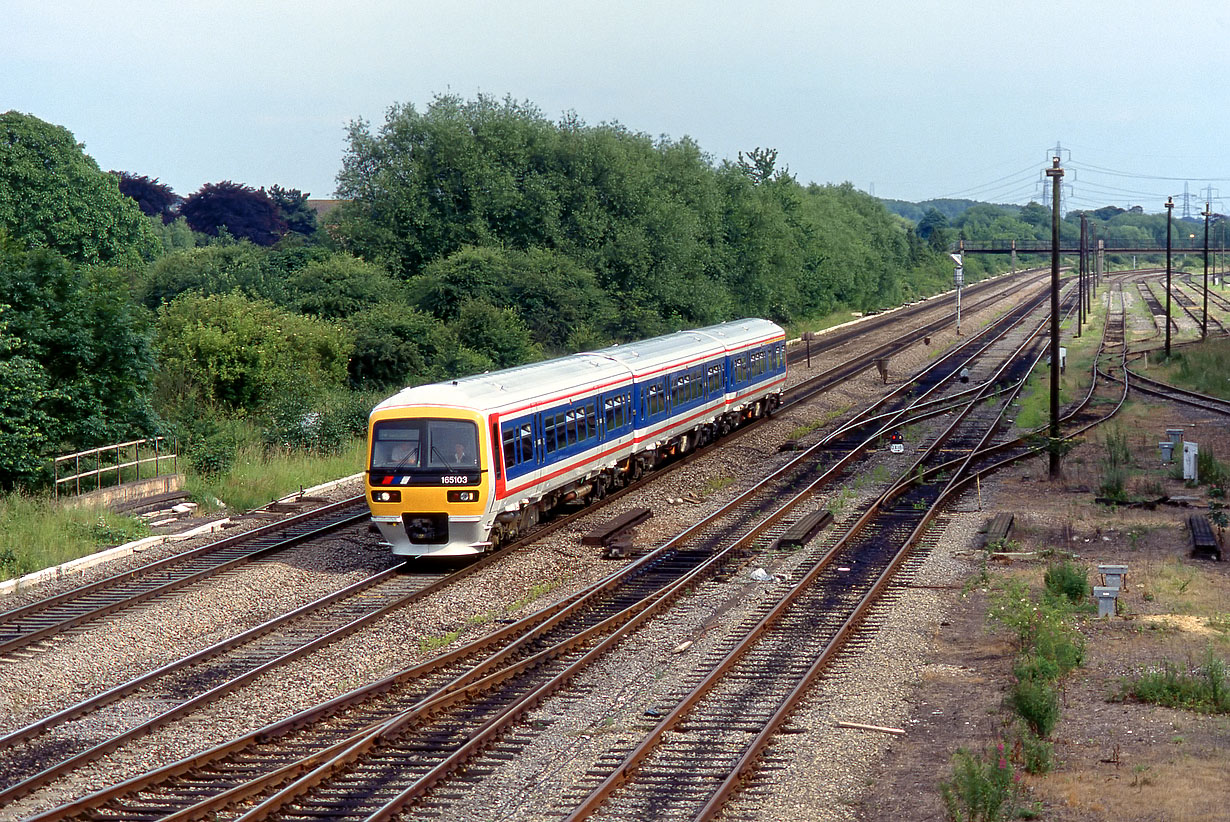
458,468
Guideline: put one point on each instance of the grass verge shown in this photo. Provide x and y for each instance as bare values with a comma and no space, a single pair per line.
39,532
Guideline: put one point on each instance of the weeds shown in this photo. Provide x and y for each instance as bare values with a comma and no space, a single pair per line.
982,789
431,644
716,484
1204,689
1048,646
538,590
1115,465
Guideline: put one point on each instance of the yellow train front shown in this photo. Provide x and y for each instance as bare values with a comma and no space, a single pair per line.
428,479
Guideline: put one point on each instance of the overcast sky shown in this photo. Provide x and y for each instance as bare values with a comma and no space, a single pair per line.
908,99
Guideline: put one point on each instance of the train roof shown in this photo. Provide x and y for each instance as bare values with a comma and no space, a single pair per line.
650,356
520,385
551,380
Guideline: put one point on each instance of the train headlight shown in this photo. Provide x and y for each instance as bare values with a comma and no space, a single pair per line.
386,496
463,496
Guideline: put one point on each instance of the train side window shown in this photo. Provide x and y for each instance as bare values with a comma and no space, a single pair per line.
715,379
618,411
548,433
527,442
510,441
657,398
570,426
591,419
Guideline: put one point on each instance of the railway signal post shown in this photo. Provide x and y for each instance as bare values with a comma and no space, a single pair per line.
1204,317
1169,215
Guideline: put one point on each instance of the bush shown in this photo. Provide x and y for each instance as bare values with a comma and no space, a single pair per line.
1067,580
1209,468
1059,643
1114,466
211,455
1036,754
982,788
1037,702
234,353
1030,667
323,426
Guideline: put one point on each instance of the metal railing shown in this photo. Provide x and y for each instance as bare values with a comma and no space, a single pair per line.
156,449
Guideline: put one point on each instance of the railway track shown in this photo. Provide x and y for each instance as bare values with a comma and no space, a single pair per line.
190,683
1156,309
21,628
694,759
372,729
641,794
1156,388
1191,296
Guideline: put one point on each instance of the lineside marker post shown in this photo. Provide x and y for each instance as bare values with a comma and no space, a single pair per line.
958,280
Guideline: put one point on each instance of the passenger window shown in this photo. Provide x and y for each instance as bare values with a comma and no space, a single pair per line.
510,446
548,433
527,442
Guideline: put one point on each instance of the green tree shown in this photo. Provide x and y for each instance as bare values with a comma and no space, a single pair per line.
90,341
496,333
292,205
469,198
54,196
395,346
213,269
235,353
341,285
933,220
24,425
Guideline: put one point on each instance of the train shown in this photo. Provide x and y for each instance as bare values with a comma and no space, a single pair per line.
461,467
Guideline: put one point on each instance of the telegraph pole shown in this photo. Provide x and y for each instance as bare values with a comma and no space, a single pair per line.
1056,174
1169,215
1204,318
1081,285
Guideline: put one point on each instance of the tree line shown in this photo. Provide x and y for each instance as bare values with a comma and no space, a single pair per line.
472,235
